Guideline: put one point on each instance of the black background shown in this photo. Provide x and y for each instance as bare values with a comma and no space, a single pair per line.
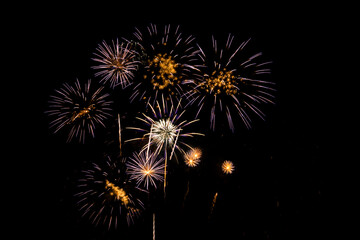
282,181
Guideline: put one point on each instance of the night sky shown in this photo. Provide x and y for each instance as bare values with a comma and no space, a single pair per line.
279,189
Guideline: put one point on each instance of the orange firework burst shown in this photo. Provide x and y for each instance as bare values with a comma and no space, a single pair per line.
192,157
227,167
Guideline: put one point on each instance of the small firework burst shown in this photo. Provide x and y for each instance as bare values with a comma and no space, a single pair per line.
145,168
117,63
227,167
230,83
79,109
168,63
165,130
192,157
106,197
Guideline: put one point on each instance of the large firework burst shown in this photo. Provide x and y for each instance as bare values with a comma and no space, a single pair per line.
145,167
79,109
230,82
165,130
116,63
106,196
168,60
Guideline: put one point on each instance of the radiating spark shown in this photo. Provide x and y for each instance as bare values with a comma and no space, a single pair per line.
146,169
227,167
117,63
78,109
153,226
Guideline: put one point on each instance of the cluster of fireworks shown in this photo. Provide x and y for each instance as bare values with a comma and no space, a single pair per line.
168,72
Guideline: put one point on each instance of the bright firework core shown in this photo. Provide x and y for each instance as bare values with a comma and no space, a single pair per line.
117,64
220,81
163,71
164,131
82,113
228,167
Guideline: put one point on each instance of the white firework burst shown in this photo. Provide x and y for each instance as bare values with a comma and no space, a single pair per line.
146,168
165,130
117,63
79,109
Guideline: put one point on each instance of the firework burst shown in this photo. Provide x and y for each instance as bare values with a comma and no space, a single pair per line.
145,168
79,109
227,167
168,60
165,129
116,63
106,197
230,83
192,157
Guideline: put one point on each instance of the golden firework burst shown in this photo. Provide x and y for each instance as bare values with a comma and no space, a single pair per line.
117,192
222,81
192,157
163,70
228,167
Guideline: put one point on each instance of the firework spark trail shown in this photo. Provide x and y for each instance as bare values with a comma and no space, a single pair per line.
80,109
148,148
119,125
213,204
153,226
173,148
187,190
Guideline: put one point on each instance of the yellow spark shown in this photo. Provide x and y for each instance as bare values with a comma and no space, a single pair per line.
117,63
163,68
119,193
227,167
213,204
147,171
82,113
220,81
